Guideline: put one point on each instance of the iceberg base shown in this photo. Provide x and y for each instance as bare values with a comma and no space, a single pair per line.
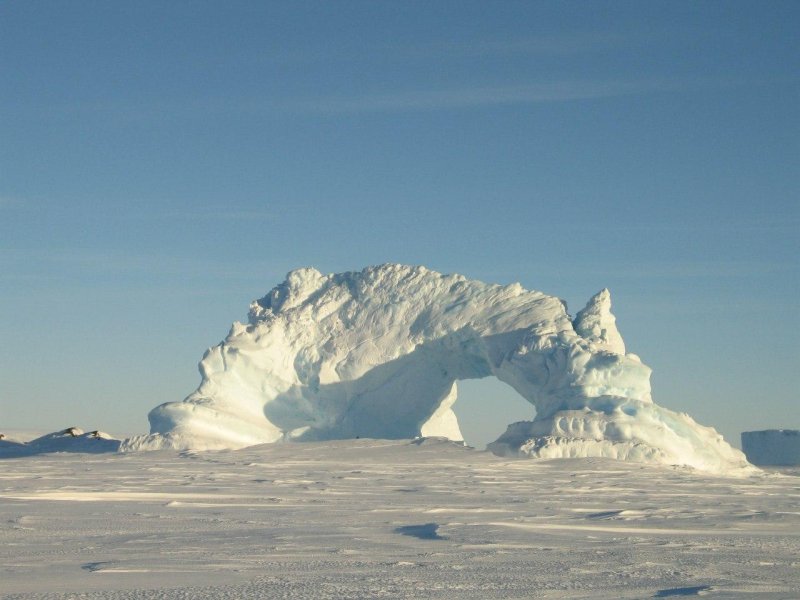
624,429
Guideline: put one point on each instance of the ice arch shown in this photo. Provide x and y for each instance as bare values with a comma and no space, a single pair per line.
376,353
485,407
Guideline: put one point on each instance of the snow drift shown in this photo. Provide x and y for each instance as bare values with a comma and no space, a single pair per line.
377,354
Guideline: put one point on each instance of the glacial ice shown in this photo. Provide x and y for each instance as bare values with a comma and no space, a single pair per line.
377,354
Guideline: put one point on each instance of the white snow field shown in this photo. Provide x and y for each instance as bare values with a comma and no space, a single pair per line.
378,354
396,519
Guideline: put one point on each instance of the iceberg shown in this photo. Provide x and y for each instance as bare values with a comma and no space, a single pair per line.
378,354
71,439
778,447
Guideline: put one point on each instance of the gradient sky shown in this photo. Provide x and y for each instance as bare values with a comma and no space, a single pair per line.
164,163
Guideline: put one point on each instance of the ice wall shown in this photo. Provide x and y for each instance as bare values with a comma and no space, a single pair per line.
377,354
772,447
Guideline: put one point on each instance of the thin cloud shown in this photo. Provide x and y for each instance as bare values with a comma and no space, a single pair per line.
660,271
437,99
777,225
704,270
221,214
564,44
10,202
473,97
33,264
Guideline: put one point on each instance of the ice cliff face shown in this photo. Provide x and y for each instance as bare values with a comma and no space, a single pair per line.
377,354
779,447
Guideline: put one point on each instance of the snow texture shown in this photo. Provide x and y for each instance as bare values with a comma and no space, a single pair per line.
377,354
355,519
772,447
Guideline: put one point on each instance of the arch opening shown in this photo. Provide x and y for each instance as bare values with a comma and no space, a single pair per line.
485,407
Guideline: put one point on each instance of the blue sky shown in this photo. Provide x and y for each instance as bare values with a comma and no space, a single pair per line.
162,164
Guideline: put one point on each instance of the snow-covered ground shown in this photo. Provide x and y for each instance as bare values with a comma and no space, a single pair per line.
370,518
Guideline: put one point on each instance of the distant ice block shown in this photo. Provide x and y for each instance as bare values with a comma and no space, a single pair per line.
71,439
779,447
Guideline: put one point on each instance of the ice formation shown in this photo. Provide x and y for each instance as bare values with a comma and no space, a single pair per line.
377,354
71,439
772,447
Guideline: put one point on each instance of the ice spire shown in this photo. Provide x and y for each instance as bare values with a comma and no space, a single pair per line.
596,323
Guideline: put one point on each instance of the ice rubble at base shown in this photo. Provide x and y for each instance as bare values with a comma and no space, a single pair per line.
377,354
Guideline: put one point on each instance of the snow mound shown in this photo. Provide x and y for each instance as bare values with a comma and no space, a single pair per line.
377,354
779,447
72,439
